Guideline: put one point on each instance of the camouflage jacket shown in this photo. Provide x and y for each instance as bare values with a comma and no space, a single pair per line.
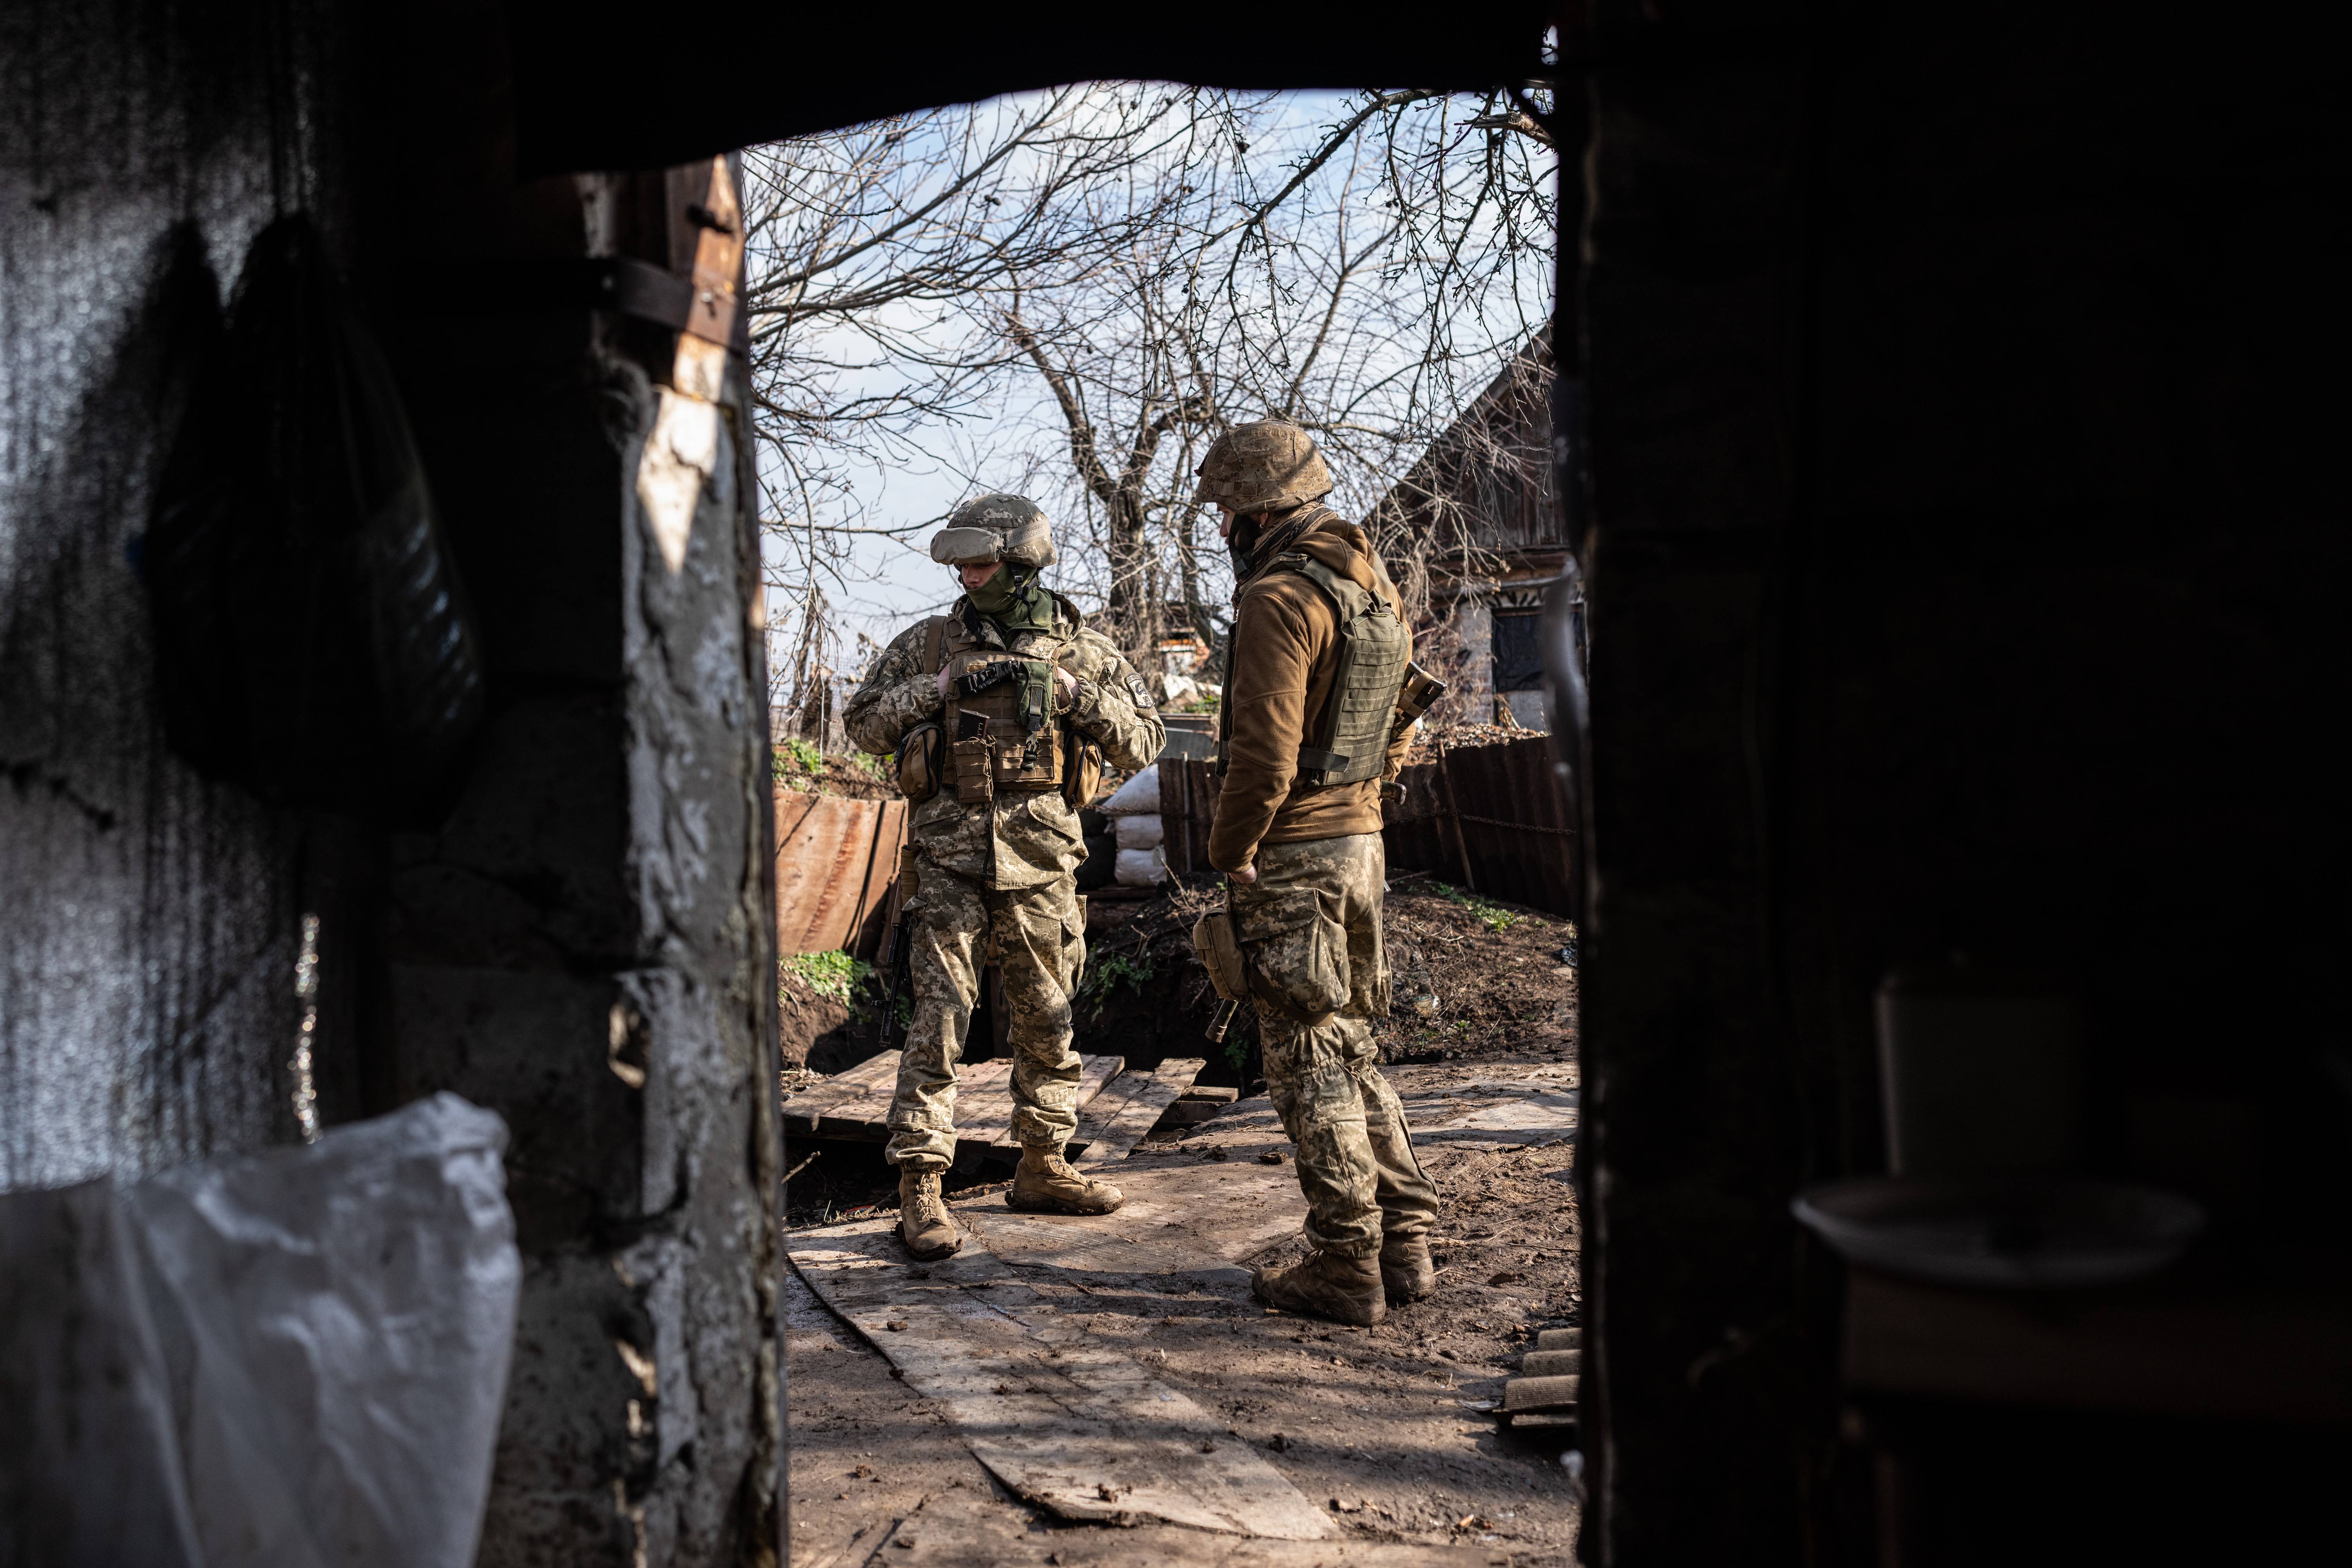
1016,840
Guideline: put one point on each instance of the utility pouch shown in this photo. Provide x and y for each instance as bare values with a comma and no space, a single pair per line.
920,757
1082,770
1220,955
975,765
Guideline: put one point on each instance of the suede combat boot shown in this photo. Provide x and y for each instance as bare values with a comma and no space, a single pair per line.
1046,1185
924,1222
1406,1273
1344,1290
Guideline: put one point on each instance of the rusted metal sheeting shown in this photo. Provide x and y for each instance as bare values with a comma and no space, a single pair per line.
1500,806
836,862
1513,823
1418,834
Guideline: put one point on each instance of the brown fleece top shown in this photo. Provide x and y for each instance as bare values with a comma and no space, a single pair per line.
1284,656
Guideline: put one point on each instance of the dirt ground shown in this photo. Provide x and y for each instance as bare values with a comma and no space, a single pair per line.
1474,979
1387,1427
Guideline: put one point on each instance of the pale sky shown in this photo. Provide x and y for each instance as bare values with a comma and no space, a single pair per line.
889,584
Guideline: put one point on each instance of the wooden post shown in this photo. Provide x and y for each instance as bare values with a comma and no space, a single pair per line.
1454,810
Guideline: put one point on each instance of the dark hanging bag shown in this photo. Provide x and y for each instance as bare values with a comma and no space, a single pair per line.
312,640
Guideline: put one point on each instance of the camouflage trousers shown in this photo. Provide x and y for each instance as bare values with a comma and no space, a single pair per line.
1040,937
1311,928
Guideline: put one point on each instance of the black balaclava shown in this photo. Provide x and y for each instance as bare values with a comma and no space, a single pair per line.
1240,543
1261,536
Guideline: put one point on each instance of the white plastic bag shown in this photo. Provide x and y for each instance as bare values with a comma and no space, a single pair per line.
1141,867
89,1468
341,1317
1139,794
294,1358
1140,831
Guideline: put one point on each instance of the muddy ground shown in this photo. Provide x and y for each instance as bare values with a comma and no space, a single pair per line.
1378,1425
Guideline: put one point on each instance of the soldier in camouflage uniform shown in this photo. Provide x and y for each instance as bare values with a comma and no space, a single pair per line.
1297,833
1002,713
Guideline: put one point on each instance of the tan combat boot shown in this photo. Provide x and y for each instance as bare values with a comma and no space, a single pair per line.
924,1224
1406,1273
1046,1185
1344,1290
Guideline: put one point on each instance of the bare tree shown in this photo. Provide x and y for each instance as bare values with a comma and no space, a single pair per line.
1121,272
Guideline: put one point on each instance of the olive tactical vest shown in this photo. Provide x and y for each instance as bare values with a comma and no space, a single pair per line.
1347,742
1025,748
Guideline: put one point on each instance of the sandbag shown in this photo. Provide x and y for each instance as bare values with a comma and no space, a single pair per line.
1142,867
1139,794
1140,831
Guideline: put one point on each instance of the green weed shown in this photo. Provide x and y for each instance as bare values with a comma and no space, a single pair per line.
797,756
1105,978
833,974
1491,915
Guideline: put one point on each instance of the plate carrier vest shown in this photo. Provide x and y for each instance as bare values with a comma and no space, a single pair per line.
1349,741
1022,760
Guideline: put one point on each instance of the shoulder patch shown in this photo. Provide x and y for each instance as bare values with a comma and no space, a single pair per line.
1137,689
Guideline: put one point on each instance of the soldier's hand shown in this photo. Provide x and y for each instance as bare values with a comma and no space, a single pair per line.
1068,683
944,681
1245,876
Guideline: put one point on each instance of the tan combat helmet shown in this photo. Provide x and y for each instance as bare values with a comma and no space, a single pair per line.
996,528
1267,465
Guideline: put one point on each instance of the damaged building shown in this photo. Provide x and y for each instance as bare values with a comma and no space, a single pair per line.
1476,530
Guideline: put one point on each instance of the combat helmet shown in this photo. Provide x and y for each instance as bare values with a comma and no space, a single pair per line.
996,528
1267,465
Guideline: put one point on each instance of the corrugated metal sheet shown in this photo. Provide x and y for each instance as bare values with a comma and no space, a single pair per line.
836,862
1488,817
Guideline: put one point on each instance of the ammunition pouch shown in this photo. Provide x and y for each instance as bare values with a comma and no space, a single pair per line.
1082,771
975,771
921,758
1220,955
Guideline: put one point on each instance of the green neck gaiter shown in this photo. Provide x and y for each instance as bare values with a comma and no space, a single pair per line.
1015,604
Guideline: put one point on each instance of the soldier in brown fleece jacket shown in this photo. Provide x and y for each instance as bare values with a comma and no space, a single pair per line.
1306,872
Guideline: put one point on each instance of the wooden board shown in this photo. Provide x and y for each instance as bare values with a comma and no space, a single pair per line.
961,1528
979,1143
803,1111
1064,1420
1185,1219
1130,1106
1540,1394
856,1105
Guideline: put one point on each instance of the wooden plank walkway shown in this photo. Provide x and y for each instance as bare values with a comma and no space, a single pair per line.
1116,1120
856,1105
852,1098
1066,1422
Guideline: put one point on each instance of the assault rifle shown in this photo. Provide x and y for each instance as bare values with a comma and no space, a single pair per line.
894,952
981,676
1420,691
